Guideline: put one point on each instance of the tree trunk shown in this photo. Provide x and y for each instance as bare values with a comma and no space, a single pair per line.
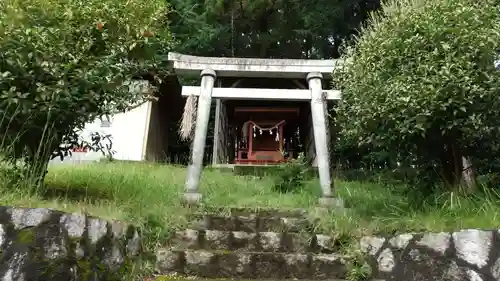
454,174
468,176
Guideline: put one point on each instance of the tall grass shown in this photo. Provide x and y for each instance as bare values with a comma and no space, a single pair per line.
377,209
20,167
138,192
143,192
135,191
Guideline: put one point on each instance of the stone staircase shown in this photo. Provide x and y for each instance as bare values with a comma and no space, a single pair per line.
265,244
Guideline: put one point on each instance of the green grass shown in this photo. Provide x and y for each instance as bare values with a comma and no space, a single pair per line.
136,192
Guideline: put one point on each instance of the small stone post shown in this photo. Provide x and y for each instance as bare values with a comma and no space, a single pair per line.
321,142
191,193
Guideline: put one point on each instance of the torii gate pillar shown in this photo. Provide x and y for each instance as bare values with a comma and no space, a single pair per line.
320,128
191,193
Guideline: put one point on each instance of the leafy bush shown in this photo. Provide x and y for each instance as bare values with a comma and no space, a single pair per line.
422,82
291,176
12,173
65,63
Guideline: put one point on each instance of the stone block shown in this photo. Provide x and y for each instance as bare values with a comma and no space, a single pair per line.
327,266
222,223
426,264
201,263
226,265
22,217
200,222
270,241
438,242
133,246
267,212
294,224
74,224
217,240
235,265
297,266
271,224
297,242
244,265
386,261
3,236
244,241
187,239
473,246
495,269
118,229
325,244
169,261
371,245
51,240
269,266
247,223
16,267
113,257
401,241
97,229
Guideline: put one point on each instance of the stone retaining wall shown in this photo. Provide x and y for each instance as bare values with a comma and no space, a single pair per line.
42,244
467,255
279,246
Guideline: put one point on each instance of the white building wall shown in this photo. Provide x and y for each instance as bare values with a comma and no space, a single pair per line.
127,132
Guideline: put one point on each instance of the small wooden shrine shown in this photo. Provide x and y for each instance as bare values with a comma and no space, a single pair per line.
262,134
266,111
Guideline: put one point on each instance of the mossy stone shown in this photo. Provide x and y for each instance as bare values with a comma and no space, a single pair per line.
84,269
26,236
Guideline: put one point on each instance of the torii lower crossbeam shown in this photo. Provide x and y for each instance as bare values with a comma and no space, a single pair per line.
261,94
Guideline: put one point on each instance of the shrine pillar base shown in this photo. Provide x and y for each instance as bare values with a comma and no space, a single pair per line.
331,203
191,198
191,192
318,113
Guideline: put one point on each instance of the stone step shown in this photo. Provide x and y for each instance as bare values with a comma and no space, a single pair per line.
251,223
239,241
254,265
195,278
259,212
177,277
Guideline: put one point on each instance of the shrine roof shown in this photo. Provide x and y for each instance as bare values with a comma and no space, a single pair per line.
252,67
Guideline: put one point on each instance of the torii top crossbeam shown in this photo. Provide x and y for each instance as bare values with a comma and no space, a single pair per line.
252,67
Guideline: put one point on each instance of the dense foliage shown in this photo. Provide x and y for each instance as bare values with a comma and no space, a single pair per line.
65,63
267,29
422,88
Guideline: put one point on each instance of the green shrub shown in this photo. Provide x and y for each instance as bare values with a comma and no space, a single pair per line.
292,175
421,81
11,173
65,63
490,180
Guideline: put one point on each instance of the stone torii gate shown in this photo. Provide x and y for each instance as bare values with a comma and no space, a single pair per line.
211,68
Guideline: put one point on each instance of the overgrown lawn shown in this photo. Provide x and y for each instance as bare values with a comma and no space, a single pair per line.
137,192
